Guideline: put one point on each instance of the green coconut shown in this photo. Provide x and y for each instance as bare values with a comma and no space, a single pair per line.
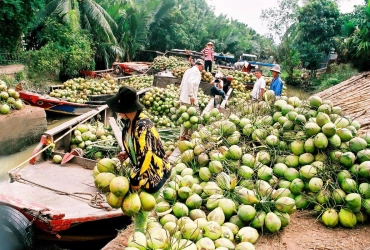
349,185
259,220
306,158
345,134
245,172
323,196
301,201
357,144
292,161
343,175
279,169
347,218
320,141
347,159
339,196
309,146
285,204
296,186
363,155
312,128
248,234
300,119
315,101
364,190
335,141
272,222
342,122
248,160
315,184
297,147
330,218
291,173
329,129
364,169
353,202
322,119
307,171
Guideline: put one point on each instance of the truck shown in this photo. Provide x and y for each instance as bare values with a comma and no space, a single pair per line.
253,61
224,59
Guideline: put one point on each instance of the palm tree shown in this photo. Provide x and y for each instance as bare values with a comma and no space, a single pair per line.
134,21
87,15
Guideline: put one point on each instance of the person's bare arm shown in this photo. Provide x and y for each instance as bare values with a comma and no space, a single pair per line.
261,93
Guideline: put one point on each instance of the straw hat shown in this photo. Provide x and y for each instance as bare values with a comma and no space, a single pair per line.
276,68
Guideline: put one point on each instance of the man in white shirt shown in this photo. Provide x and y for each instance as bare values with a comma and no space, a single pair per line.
259,86
189,89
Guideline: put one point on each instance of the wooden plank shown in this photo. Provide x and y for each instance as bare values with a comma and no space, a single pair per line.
116,131
76,121
209,106
227,96
174,156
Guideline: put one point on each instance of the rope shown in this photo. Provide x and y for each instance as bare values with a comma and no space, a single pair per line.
96,200
48,146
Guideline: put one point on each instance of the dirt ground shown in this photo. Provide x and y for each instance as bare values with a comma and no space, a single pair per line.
303,233
11,69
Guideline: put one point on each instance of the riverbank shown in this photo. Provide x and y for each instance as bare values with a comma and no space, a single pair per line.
30,125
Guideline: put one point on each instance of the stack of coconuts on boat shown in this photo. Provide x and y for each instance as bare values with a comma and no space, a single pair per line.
9,99
244,173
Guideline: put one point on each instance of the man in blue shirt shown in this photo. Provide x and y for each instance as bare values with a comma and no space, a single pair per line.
276,83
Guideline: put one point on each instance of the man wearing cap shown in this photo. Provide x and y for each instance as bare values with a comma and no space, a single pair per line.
189,89
208,54
276,83
142,145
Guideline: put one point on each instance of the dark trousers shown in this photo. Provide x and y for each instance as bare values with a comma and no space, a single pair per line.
215,91
208,64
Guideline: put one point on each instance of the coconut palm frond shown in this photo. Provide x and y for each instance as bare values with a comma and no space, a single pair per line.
98,23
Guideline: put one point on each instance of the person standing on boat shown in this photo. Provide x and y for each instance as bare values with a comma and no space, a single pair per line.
189,90
276,83
208,54
259,86
142,145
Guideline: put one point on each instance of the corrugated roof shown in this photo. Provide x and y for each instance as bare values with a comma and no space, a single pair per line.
353,96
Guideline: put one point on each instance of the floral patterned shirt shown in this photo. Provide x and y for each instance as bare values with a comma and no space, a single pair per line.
144,147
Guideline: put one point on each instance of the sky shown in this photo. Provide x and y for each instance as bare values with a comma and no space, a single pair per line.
250,13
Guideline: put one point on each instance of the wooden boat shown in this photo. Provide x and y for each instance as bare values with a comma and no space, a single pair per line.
57,198
55,105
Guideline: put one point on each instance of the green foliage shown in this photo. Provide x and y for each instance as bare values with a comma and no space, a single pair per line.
282,23
319,23
65,52
84,16
16,17
338,73
357,46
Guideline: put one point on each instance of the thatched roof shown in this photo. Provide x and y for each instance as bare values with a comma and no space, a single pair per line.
353,96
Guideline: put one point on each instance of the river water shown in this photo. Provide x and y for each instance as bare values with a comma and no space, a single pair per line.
8,162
